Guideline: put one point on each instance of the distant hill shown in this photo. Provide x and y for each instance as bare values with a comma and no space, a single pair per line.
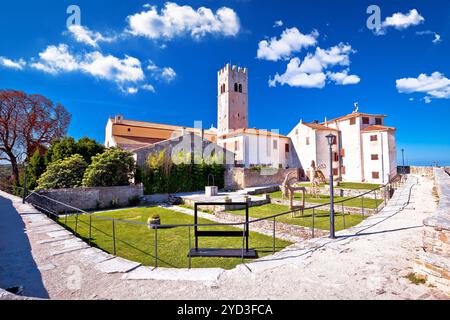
5,171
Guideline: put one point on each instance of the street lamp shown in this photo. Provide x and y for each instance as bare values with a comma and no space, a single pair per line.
331,140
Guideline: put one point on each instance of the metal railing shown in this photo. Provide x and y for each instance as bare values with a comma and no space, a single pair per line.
47,205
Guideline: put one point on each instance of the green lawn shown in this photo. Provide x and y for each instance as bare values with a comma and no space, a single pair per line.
321,220
172,243
346,185
368,203
356,185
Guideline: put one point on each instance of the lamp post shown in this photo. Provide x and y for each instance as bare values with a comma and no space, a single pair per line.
331,139
24,195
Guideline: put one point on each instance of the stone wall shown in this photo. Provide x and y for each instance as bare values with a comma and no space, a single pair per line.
426,171
241,178
433,264
87,198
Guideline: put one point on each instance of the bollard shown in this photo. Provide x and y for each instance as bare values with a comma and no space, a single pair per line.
313,229
114,236
189,256
156,246
90,228
274,231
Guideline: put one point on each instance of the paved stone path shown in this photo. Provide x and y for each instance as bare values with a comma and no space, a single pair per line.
369,261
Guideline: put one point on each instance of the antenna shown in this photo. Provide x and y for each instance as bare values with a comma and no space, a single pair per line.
356,104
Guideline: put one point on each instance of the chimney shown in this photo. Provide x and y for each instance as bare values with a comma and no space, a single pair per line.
118,119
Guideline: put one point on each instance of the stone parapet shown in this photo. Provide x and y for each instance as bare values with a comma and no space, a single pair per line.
433,264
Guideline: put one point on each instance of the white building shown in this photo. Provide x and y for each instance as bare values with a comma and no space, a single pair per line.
364,149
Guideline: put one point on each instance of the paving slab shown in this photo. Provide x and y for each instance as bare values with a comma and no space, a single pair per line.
147,273
57,234
117,265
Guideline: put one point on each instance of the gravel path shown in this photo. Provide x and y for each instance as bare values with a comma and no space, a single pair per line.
369,261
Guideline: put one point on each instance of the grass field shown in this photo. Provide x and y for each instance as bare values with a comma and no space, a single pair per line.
347,185
368,203
137,241
321,220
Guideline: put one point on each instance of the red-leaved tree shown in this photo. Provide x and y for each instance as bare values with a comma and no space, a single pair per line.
28,122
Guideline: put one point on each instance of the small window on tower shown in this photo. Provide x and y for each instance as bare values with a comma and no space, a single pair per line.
235,87
240,88
378,121
352,121
365,120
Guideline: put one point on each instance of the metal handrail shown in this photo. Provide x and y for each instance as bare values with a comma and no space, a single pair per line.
274,217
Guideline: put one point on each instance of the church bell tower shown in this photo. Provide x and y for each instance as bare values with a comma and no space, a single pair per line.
232,107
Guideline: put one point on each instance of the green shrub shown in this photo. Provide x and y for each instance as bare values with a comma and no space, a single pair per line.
161,175
114,167
67,173
134,201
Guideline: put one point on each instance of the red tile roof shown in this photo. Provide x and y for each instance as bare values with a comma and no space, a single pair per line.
378,128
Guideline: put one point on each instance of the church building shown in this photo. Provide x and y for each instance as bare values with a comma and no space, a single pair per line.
364,149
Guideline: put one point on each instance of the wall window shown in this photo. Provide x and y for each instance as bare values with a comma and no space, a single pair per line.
342,153
374,138
375,175
335,140
235,87
335,156
287,148
275,145
343,170
352,121
240,88
379,121
365,120
307,141
335,172
374,157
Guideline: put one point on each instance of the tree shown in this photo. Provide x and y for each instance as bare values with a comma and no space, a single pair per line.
28,123
35,169
61,174
63,148
114,167
88,148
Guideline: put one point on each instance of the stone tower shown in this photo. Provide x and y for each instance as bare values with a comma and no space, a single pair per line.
232,106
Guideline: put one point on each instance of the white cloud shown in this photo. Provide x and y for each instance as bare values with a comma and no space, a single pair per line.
167,73
11,64
84,35
435,86
295,77
278,23
149,87
55,59
401,21
312,72
437,37
343,78
174,20
291,41
123,72
112,68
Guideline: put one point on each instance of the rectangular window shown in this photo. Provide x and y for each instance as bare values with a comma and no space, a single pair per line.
379,121
352,121
373,138
374,157
286,148
307,141
335,141
335,172
375,175
365,120
336,156
342,153
275,145
343,170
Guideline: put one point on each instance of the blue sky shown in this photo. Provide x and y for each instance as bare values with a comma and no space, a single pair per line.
158,62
